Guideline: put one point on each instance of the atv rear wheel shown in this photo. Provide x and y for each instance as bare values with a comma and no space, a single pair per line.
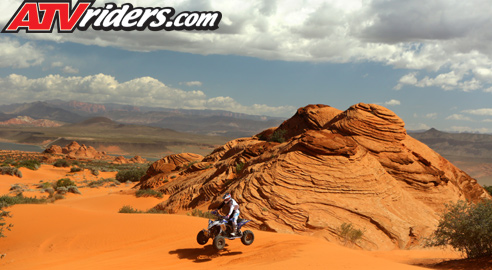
219,242
248,237
201,238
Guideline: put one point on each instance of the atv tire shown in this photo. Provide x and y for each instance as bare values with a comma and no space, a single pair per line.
219,242
248,237
201,238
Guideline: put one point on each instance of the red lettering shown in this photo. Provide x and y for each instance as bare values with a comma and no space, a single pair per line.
51,11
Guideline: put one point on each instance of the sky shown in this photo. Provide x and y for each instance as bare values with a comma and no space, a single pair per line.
430,62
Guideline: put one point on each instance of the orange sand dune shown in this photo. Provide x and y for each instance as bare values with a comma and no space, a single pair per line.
87,232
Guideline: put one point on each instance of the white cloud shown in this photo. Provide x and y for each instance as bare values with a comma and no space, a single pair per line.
459,117
392,102
57,64
417,126
483,111
15,54
70,70
448,37
193,83
144,91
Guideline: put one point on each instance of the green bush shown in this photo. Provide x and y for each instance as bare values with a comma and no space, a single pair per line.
467,227
127,209
488,189
31,164
64,182
239,167
350,234
11,171
278,136
76,169
132,175
6,200
4,226
149,193
61,163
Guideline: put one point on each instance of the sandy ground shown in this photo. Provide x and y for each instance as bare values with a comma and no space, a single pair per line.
87,232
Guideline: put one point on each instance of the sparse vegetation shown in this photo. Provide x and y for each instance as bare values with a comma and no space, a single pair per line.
11,171
61,163
349,233
278,136
101,182
239,167
488,189
200,213
76,169
64,182
149,193
3,225
6,200
132,175
467,227
127,209
31,164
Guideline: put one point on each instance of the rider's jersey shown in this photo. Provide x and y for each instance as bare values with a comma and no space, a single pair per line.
233,205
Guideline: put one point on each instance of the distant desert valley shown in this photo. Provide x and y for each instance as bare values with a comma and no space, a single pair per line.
117,186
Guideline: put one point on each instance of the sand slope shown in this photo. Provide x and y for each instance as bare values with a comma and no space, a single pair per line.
87,232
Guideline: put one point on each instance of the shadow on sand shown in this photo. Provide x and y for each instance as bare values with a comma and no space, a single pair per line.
463,264
204,254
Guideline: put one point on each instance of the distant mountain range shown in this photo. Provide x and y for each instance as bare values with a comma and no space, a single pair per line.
207,122
471,145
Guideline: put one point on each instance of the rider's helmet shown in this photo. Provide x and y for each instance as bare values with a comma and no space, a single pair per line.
227,197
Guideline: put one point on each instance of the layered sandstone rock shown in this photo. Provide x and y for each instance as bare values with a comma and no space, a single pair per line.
358,166
133,160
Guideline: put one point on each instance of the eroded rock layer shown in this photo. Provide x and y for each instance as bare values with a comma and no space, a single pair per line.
358,166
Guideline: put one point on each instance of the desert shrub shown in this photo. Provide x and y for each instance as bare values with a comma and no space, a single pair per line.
94,171
17,187
127,209
467,227
11,171
278,136
73,189
488,189
239,167
349,233
149,193
3,225
76,169
44,185
31,164
132,175
155,211
6,200
62,190
61,163
101,182
64,182
200,213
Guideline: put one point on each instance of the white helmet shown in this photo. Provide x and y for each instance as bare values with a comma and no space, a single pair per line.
227,197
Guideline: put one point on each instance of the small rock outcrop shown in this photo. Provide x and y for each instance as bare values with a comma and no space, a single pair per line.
75,150
331,167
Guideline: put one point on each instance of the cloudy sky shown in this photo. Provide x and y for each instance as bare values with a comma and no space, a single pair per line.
428,61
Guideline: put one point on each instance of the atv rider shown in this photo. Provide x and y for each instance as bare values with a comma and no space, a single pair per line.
233,211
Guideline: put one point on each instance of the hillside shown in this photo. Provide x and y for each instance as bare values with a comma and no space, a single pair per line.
320,169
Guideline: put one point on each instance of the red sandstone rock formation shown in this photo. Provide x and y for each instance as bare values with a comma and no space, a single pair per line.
133,160
75,150
358,166
28,121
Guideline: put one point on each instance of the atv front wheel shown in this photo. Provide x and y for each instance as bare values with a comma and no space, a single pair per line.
248,237
201,238
219,242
